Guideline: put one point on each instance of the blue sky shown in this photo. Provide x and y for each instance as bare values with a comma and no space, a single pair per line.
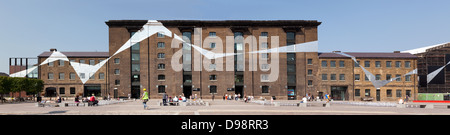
29,27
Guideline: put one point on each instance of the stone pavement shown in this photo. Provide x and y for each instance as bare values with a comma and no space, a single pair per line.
217,107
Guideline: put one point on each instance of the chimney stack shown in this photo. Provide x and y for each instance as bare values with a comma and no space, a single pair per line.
53,49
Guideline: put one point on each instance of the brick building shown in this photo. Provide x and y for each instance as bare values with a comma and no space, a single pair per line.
345,80
62,80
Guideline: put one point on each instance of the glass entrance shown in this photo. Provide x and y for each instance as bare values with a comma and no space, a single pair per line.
338,93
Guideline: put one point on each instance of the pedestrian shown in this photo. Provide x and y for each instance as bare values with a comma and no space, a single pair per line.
145,98
223,96
327,97
400,101
406,99
129,96
77,99
305,100
164,98
226,96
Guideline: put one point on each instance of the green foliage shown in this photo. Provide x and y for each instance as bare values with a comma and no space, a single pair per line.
15,84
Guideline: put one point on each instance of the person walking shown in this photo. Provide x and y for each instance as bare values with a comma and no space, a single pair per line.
164,98
145,98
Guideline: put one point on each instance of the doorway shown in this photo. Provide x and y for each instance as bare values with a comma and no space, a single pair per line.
239,90
135,92
92,89
187,91
50,92
378,95
339,93
291,93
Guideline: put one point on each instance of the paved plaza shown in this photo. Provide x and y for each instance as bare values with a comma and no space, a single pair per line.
217,107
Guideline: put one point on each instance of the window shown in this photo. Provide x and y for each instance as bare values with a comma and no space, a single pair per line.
398,93
398,64
265,89
377,77
91,76
117,82
399,78
357,93
341,63
50,76
161,66
161,55
264,55
72,76
61,76
357,77
62,91
212,45
357,64
82,61
264,77
61,63
264,34
72,90
82,75
116,71
70,61
333,77
116,61
309,61
366,63
407,64
366,78
310,82
265,66
388,76
135,56
378,64
332,63
212,34
212,77
161,45
324,63
408,93
161,77
388,64
160,35
342,77
324,76
91,62
135,67
290,57
101,76
309,71
136,47
367,93
264,45
213,89
389,93
291,68
161,88
408,78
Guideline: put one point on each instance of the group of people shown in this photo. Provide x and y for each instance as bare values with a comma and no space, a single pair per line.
237,97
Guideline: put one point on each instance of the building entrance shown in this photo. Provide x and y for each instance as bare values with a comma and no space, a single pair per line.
239,90
339,93
187,91
135,92
50,92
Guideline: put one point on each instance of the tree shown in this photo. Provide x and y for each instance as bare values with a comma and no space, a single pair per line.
5,86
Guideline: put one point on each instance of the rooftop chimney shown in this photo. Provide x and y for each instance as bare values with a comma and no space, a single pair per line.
396,51
53,49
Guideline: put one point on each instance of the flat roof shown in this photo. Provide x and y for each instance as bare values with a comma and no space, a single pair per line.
79,54
202,23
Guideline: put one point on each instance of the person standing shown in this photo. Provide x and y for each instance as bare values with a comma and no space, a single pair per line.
164,98
145,98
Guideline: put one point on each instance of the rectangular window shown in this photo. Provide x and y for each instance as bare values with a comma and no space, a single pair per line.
388,76
309,71
357,64
398,93
377,77
61,76
332,63
101,76
399,78
161,66
117,82
265,89
366,78
135,56
388,64
378,64
82,75
407,64
398,64
324,77
91,62
408,78
212,34
291,68
116,61
341,63
324,63
264,66
50,76
309,61
160,35
50,64
264,55
136,47
161,55
212,77
161,88
61,63
72,90
116,71
161,77
82,61
213,89
357,93
366,63
367,93
135,67
408,93
264,77
342,77
310,82
389,93
333,77
161,45
357,77
264,45
72,76
91,76
212,45
264,34
62,91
